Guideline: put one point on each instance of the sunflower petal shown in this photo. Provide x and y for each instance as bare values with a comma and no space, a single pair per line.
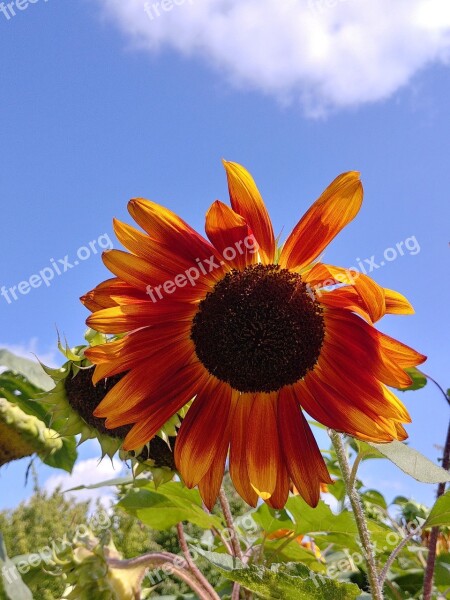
302,456
195,447
230,235
238,450
337,206
247,202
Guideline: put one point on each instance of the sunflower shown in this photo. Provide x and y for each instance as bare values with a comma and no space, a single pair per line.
255,334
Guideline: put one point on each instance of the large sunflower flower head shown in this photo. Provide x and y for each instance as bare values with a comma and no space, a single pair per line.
254,335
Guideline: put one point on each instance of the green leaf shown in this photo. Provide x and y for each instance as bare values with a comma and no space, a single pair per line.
412,462
111,482
272,520
293,581
32,370
168,506
12,584
65,457
440,513
418,378
374,497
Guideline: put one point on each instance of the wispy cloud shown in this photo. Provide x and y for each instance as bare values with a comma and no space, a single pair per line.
88,472
31,349
325,54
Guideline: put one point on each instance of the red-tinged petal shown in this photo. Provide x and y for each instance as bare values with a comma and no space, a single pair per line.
121,319
360,387
231,236
133,270
346,298
144,380
337,206
238,448
328,407
301,454
247,202
263,452
280,495
210,484
195,447
169,229
161,407
350,335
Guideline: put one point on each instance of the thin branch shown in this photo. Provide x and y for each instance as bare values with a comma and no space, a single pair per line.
161,559
355,500
230,524
394,555
191,564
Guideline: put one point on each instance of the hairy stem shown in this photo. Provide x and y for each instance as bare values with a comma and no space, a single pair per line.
432,545
394,555
372,571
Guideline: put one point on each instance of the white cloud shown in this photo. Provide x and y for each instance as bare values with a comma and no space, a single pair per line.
88,472
327,54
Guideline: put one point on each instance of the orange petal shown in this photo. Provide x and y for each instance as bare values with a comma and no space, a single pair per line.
247,202
301,454
121,319
107,294
169,229
281,492
397,304
372,296
337,206
197,439
231,236
123,354
263,459
150,250
238,449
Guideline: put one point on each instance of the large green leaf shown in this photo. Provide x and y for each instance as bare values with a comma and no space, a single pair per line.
295,582
412,462
12,584
440,513
272,520
32,370
168,506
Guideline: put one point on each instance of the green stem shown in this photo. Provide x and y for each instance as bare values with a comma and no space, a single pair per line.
372,571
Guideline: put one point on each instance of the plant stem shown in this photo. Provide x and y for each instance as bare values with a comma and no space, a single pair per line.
432,545
372,571
191,564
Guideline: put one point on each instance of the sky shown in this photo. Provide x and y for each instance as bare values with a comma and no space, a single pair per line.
105,100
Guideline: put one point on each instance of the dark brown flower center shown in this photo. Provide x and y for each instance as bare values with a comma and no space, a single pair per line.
259,329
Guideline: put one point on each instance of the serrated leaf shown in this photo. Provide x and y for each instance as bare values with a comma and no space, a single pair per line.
32,370
412,462
12,584
293,581
168,506
440,513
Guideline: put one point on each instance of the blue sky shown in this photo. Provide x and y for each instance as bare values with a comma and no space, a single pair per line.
100,104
